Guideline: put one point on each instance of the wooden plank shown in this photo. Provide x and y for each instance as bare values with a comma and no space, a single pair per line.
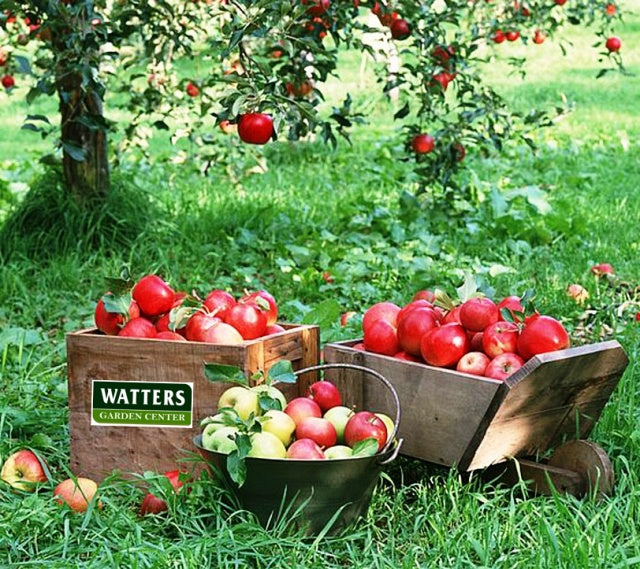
96,450
443,412
553,397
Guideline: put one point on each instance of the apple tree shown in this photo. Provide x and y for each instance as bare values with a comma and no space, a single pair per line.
198,69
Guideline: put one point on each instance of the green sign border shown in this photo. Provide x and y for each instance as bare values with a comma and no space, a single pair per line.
139,415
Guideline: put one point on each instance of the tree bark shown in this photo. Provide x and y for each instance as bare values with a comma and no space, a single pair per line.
85,158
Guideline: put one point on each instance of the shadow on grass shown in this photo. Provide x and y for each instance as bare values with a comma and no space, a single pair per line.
50,223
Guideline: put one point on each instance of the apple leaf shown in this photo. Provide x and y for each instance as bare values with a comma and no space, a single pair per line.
117,304
225,373
365,447
235,460
281,372
266,402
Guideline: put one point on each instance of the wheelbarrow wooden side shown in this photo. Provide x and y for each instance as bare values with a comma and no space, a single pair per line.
456,419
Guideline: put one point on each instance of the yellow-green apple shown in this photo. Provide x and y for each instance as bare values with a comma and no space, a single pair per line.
338,451
267,445
77,493
319,430
338,416
222,440
499,338
242,399
271,391
365,425
212,427
279,424
474,363
325,394
503,366
388,423
300,408
23,470
305,449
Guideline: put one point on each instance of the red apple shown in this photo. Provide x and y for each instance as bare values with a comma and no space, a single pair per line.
248,319
365,425
138,328
381,311
300,408
265,302
77,493
274,329
500,337
474,363
427,295
413,326
503,366
445,345
345,317
198,323
478,312
602,269
423,143
319,430
305,449
221,333
613,44
420,303
400,29
23,470
577,292
218,302
325,394
512,305
540,335
171,336
381,337
151,504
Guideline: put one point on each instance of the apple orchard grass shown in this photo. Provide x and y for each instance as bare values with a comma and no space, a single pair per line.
316,211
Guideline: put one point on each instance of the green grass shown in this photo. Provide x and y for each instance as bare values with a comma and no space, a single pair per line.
315,210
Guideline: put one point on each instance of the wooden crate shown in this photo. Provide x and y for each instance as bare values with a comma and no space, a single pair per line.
456,419
93,358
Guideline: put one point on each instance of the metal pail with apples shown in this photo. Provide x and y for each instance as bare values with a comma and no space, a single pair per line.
320,495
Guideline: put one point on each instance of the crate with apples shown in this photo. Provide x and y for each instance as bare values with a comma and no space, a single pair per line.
315,452
137,390
481,382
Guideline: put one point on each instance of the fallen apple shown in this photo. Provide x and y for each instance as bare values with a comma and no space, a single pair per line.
77,493
23,470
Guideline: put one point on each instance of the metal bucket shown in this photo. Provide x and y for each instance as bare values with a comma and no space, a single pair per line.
314,494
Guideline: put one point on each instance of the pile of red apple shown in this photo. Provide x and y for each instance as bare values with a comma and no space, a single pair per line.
154,310
473,337
310,427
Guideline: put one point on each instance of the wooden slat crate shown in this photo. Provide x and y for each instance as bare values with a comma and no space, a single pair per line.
456,419
97,450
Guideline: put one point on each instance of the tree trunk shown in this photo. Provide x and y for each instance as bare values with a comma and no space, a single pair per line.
85,158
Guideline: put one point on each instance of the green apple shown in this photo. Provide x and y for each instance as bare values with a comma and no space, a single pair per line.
222,440
388,422
272,392
338,451
279,424
338,417
266,445
242,399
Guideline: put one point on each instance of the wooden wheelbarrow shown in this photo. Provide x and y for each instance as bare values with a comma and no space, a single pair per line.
548,407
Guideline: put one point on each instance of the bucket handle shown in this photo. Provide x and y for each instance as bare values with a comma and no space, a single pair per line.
387,384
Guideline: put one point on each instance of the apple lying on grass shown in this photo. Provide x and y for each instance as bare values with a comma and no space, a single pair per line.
23,470
77,493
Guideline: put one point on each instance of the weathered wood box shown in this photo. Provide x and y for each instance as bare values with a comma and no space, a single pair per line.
135,404
456,419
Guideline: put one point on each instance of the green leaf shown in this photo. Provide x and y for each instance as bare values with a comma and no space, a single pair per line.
236,459
324,313
77,153
365,447
469,287
224,373
281,372
118,304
